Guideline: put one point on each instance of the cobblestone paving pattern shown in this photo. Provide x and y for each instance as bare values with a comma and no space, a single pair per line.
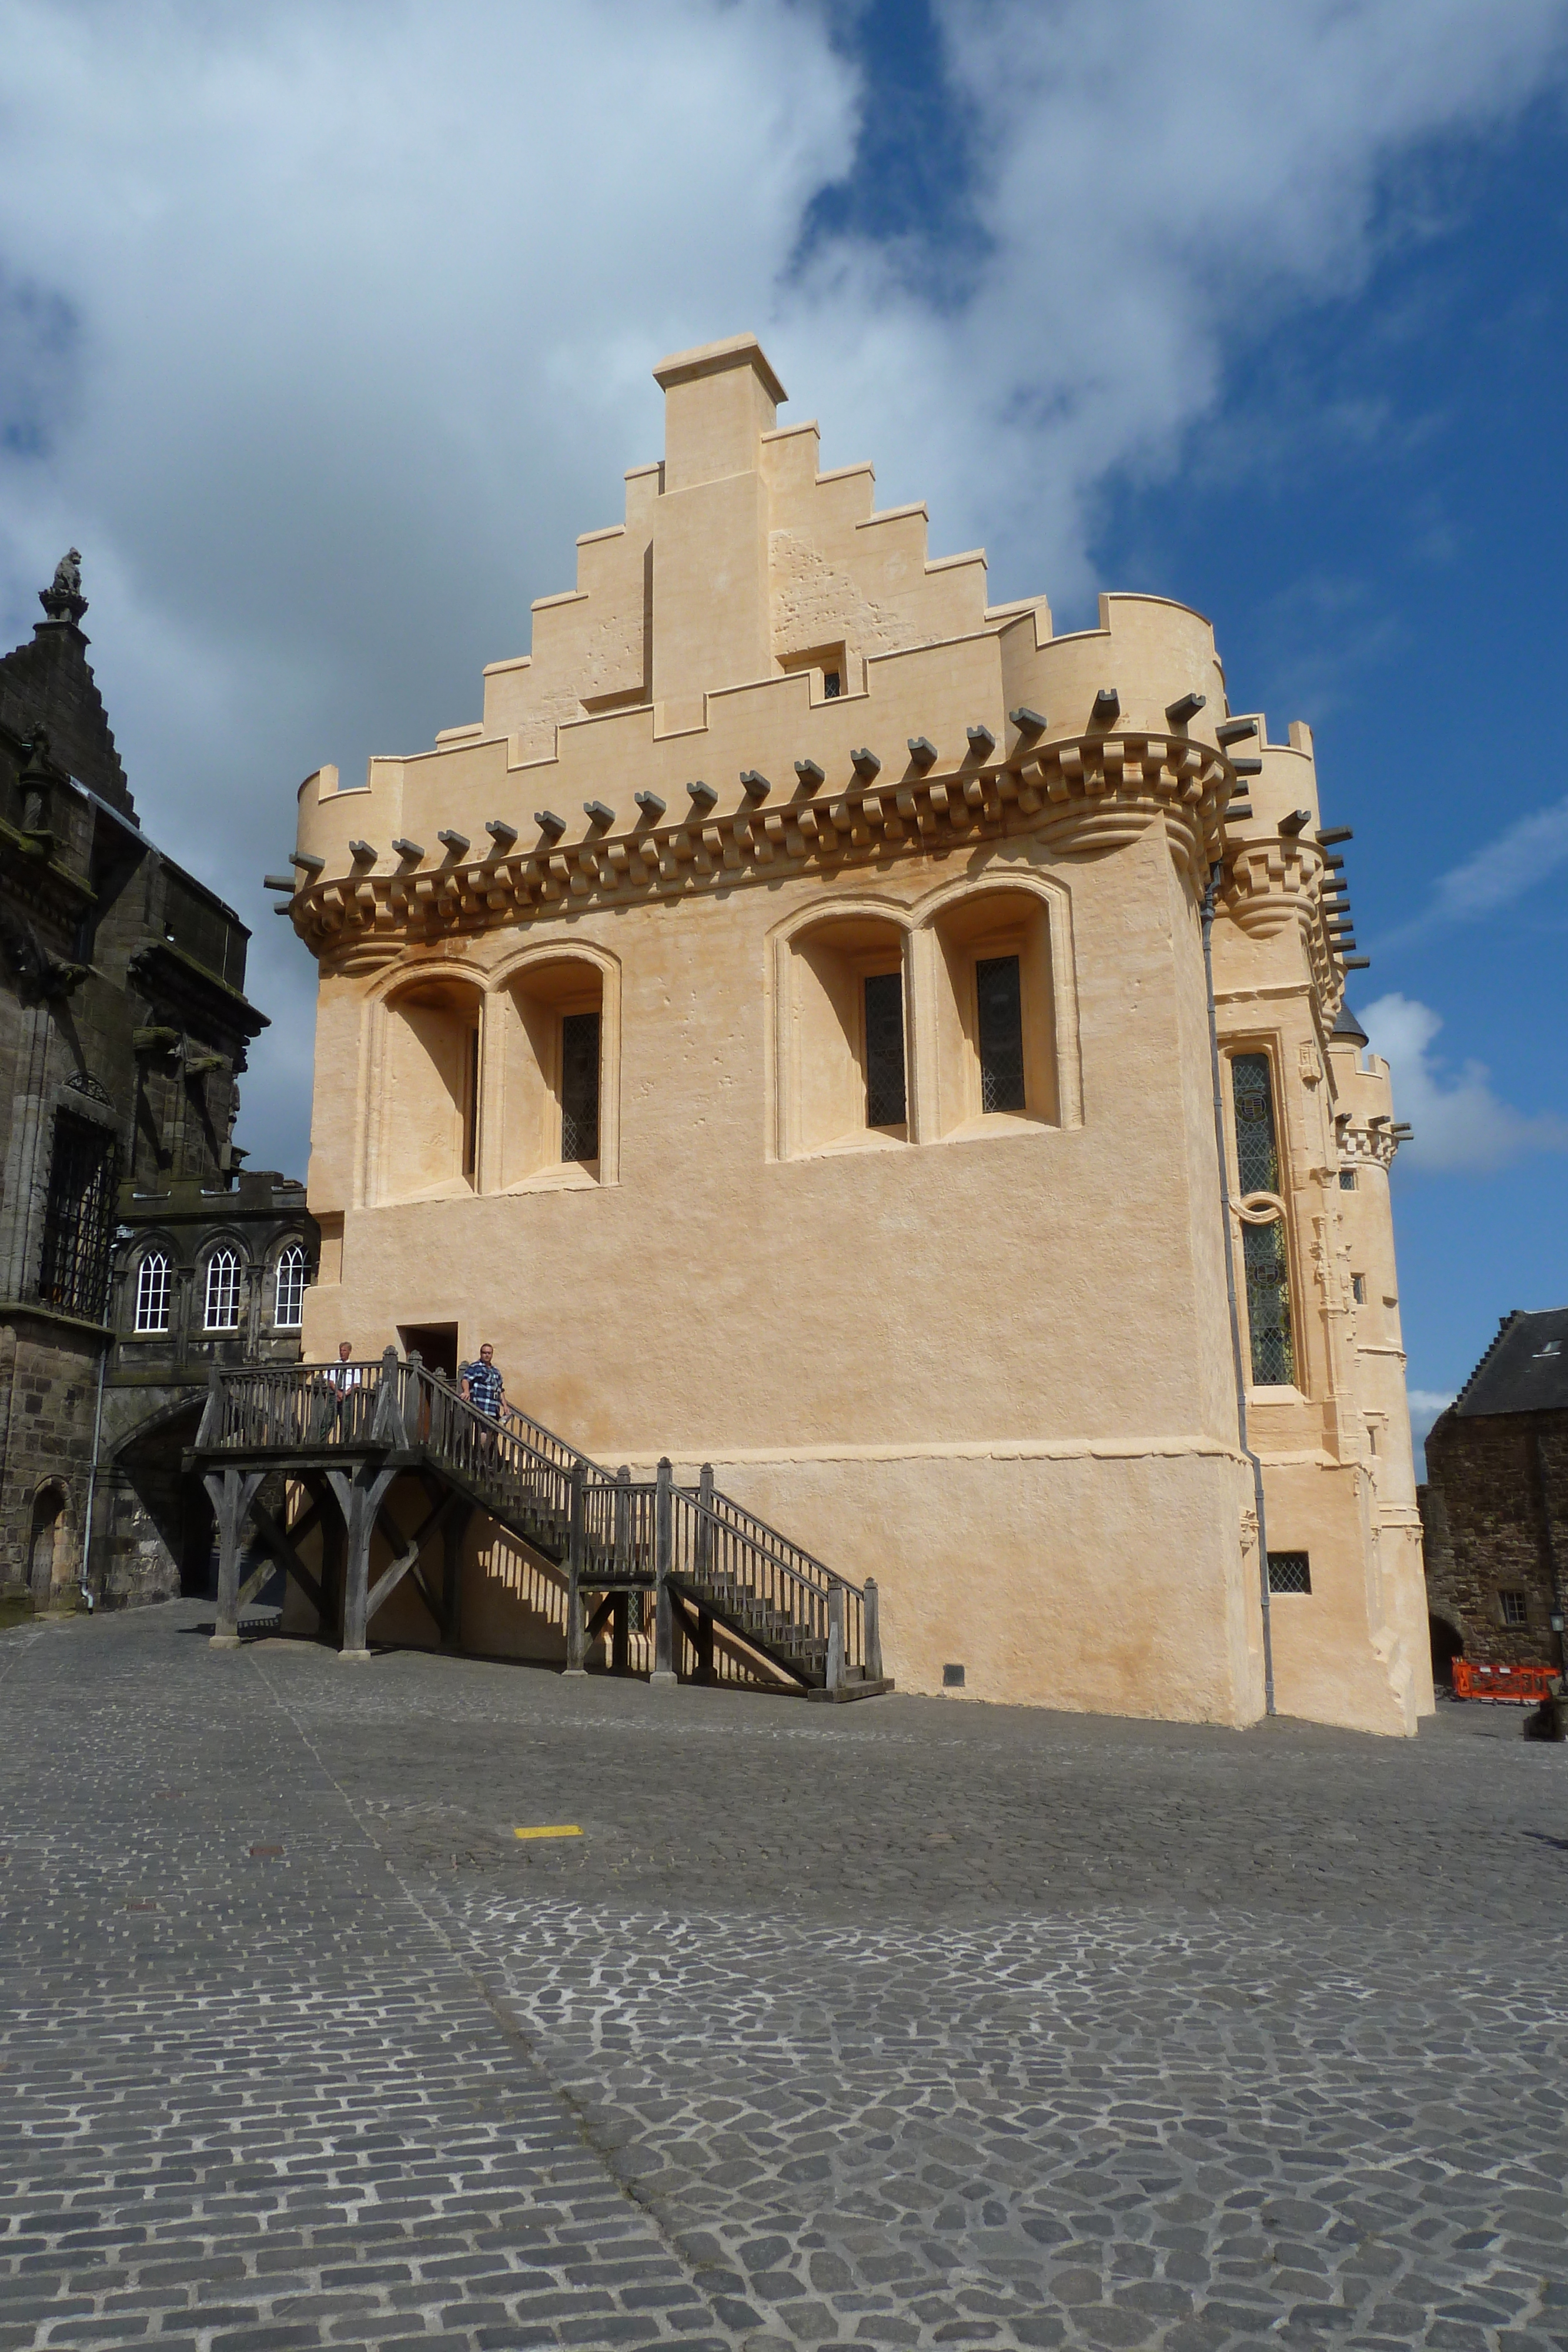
911,2023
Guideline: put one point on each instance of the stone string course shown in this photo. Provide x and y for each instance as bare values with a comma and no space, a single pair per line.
931,2024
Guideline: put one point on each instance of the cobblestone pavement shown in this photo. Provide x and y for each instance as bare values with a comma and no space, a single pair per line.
910,2023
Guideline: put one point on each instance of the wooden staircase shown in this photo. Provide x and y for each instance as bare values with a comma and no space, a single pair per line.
346,1432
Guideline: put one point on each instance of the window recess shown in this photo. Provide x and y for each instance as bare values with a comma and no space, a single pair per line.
995,1014
844,1070
555,1073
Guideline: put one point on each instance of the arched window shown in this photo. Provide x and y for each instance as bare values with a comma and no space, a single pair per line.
223,1292
846,1066
289,1303
152,1293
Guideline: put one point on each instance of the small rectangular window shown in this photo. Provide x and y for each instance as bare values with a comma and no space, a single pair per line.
1358,1288
999,998
1290,1572
885,1095
1347,1179
1515,1608
831,683
579,1085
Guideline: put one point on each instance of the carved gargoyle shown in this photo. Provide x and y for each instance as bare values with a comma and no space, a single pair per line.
35,971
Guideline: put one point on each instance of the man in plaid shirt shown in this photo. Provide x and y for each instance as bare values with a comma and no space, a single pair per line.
483,1385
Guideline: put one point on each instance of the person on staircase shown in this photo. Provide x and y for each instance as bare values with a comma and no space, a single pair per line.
483,1387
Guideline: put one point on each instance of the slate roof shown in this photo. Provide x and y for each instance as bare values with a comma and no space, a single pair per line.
1525,1370
1347,1025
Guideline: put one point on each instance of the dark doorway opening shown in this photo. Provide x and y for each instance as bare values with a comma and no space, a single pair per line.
436,1345
1448,1643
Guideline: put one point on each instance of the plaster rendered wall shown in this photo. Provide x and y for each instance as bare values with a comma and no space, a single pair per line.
916,1357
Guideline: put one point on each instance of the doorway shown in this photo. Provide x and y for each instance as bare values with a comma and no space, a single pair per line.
436,1345
50,1559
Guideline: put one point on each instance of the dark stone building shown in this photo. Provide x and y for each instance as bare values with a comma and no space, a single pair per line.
133,1252
1495,1505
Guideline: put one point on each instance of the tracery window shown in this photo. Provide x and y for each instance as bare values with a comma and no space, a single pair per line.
223,1292
1265,1256
289,1303
152,1293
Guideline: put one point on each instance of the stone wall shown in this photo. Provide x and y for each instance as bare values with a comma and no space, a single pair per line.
48,1396
1494,1511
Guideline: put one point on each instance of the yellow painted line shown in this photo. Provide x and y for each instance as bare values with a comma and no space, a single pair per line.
560,1829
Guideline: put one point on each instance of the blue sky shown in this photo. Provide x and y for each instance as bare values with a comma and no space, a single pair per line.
325,328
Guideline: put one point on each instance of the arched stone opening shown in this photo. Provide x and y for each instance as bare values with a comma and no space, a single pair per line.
430,1108
845,1054
52,1558
996,1013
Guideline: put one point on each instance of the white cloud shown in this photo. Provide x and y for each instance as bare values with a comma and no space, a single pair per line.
1527,853
1425,1404
1459,1123
324,327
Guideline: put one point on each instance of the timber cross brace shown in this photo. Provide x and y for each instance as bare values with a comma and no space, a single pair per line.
342,1436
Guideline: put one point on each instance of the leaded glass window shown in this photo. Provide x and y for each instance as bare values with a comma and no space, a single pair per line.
1347,1179
579,1085
1256,1155
79,1217
1515,1608
999,1004
152,1293
1290,1572
1264,1255
885,1097
223,1292
289,1297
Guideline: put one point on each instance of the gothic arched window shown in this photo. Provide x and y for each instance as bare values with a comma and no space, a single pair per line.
223,1292
152,1293
290,1300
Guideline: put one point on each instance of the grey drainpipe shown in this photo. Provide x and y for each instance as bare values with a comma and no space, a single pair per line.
1208,898
92,1477
1553,1567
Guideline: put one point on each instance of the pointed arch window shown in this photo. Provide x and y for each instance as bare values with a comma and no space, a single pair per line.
223,1292
289,1301
152,1293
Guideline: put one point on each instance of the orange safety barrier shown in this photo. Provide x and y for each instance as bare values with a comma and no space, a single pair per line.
1522,1685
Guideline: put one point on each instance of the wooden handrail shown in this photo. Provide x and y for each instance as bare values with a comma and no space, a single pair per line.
527,1476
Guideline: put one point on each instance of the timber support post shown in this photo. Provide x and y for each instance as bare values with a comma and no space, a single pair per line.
454,1535
873,1631
231,1493
576,1641
663,1674
359,1499
835,1637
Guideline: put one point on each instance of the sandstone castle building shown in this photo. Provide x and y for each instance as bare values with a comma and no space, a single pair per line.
780,1021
